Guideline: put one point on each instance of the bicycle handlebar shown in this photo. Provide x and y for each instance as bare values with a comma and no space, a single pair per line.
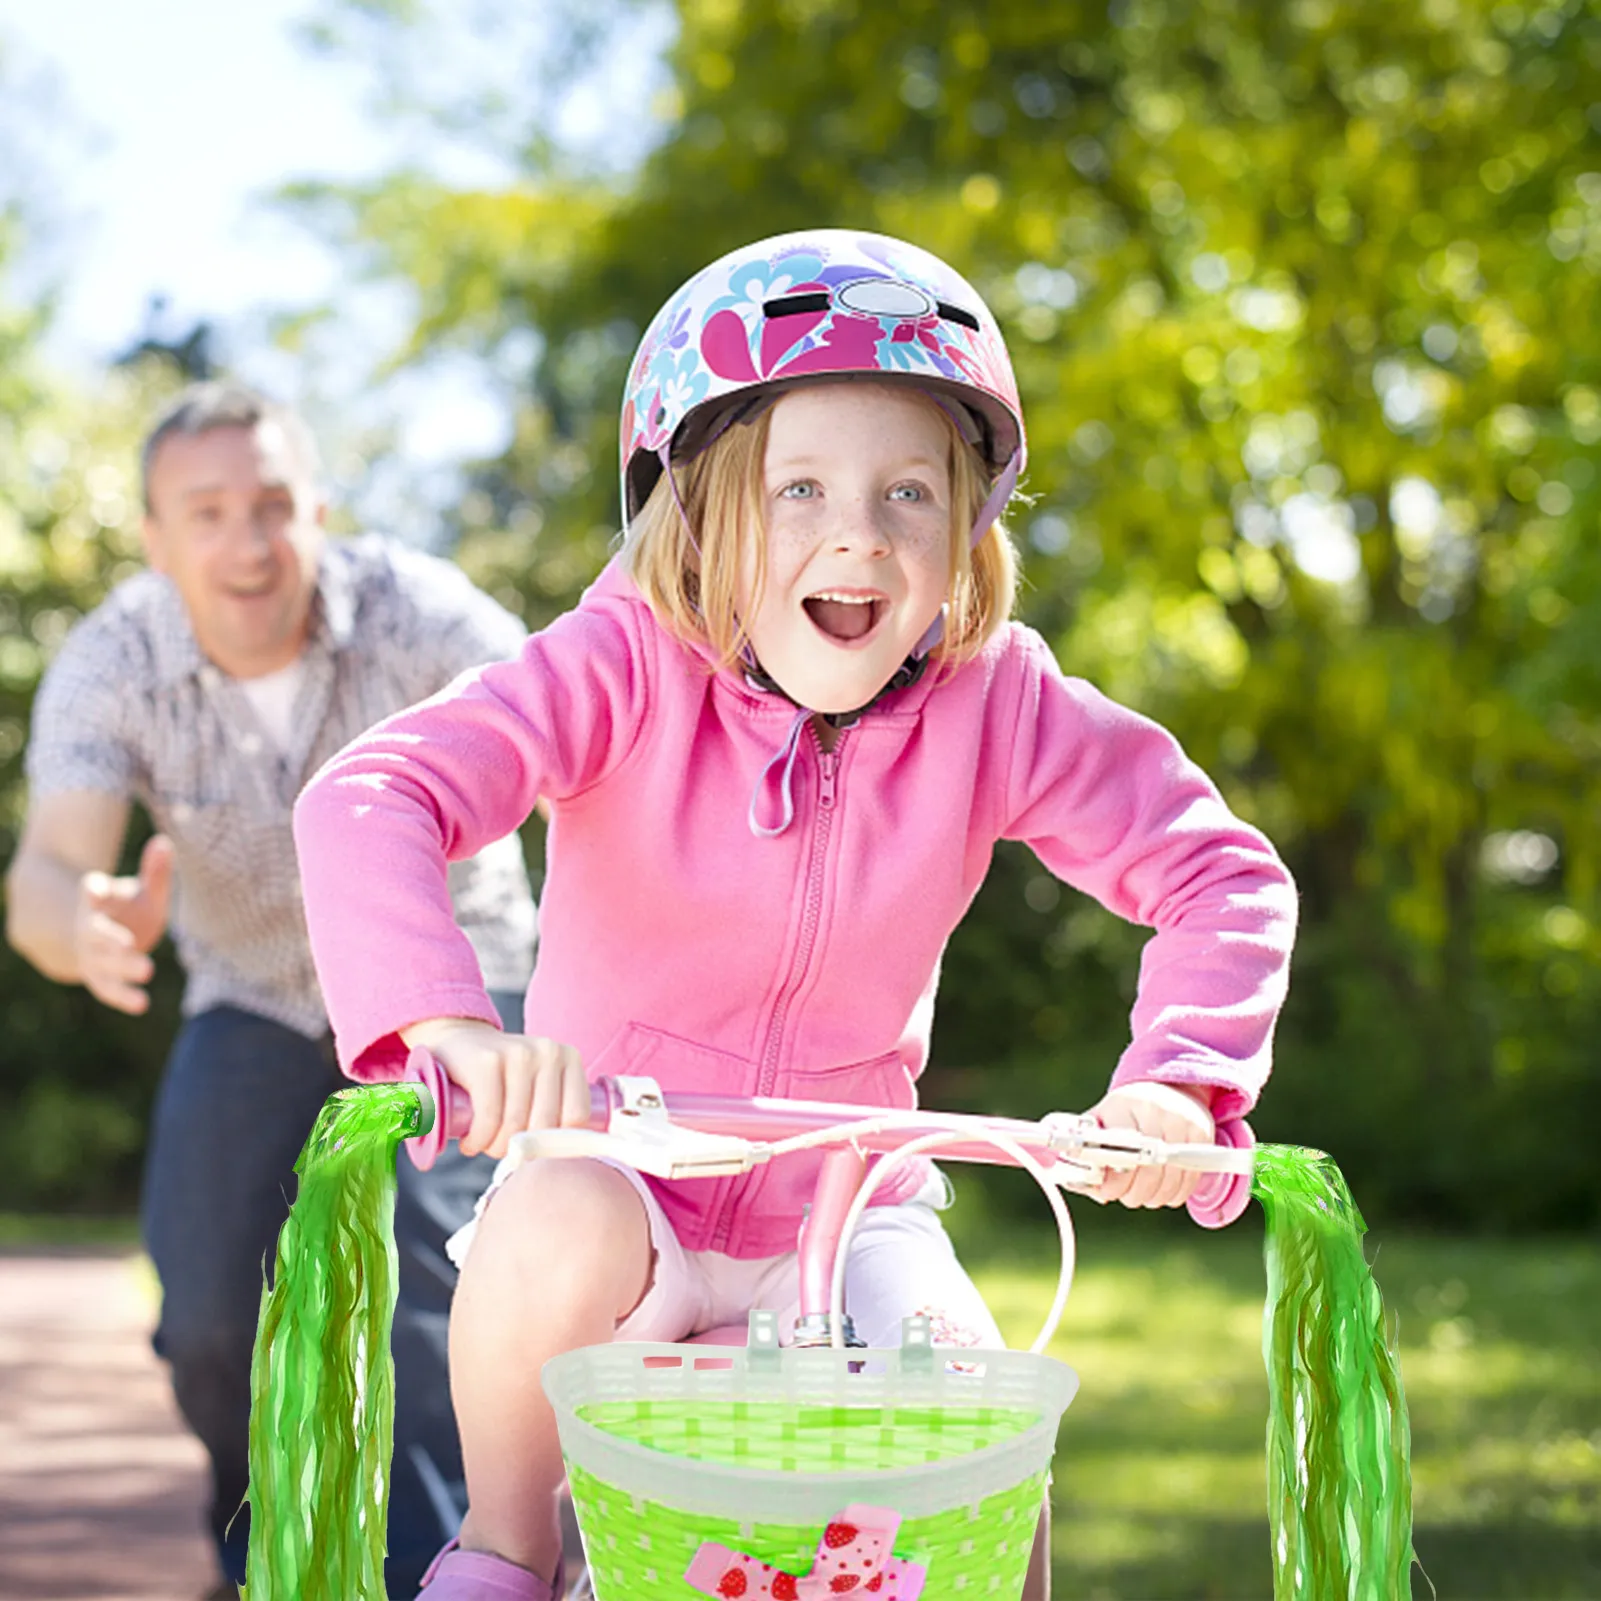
735,1132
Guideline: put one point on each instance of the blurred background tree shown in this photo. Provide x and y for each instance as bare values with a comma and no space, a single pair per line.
1302,300
75,1077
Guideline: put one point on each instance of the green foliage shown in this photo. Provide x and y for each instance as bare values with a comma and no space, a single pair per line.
1301,299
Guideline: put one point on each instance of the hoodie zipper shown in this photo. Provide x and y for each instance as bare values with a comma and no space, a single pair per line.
811,917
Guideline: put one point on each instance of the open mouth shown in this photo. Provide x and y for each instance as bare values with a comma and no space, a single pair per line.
251,589
842,616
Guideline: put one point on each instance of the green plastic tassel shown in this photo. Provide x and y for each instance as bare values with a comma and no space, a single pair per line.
322,1378
1339,1475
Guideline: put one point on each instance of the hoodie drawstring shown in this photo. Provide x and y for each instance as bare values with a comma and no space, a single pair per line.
786,754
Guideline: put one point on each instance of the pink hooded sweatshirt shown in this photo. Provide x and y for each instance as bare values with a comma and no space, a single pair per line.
678,942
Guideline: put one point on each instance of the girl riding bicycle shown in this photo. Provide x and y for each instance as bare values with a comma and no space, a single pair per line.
778,740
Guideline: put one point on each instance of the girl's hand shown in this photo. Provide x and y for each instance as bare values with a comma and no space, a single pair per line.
1167,1112
516,1082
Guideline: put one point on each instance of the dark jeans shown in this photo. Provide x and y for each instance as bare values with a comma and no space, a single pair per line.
238,1099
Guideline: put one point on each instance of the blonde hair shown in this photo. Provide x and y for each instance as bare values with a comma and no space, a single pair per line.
694,592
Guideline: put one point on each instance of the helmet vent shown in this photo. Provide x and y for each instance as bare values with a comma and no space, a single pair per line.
793,305
956,314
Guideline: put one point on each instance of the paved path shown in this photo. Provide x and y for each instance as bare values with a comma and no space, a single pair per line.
100,1487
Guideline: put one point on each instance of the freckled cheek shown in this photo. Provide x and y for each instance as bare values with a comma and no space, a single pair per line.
788,550
923,543
926,552
790,535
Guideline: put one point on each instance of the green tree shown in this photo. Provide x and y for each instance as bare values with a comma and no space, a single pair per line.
1302,299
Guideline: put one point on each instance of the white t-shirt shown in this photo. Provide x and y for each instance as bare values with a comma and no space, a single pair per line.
272,699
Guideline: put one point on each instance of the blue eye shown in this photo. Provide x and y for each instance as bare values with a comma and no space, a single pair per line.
907,492
805,490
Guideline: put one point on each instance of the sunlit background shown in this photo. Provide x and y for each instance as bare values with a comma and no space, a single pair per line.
153,147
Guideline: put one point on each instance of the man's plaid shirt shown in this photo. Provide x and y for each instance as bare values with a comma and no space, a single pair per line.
130,707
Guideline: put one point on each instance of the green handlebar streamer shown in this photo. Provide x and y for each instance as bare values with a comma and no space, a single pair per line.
322,1379
1339,1476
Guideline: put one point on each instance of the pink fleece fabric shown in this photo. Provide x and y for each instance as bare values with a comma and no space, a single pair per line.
675,942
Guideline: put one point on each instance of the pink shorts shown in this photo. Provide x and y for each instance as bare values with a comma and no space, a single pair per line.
901,1264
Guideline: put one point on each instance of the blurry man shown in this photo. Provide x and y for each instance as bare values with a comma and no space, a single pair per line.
209,689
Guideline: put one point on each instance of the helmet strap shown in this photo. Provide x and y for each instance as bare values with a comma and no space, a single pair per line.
666,456
993,506
999,494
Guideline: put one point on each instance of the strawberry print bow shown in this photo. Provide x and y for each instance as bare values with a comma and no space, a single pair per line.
854,1558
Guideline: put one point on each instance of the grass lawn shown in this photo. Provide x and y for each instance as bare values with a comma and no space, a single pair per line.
1160,1477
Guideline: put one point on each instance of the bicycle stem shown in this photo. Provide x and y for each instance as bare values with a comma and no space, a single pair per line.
844,1168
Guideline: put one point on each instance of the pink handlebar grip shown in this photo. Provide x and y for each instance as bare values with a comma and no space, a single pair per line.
1221,1197
452,1108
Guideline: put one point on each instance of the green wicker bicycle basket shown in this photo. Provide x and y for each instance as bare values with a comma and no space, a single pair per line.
687,1463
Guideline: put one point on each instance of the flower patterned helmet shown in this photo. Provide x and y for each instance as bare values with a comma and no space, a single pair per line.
821,304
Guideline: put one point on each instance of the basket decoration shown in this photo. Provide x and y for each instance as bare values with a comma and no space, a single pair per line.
856,1555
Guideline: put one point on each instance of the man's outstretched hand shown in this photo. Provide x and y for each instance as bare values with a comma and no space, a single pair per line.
119,922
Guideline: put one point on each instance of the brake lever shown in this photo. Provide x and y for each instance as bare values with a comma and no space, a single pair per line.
641,1135
1085,1151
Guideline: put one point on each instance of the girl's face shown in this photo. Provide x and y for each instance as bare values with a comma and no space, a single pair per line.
857,499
